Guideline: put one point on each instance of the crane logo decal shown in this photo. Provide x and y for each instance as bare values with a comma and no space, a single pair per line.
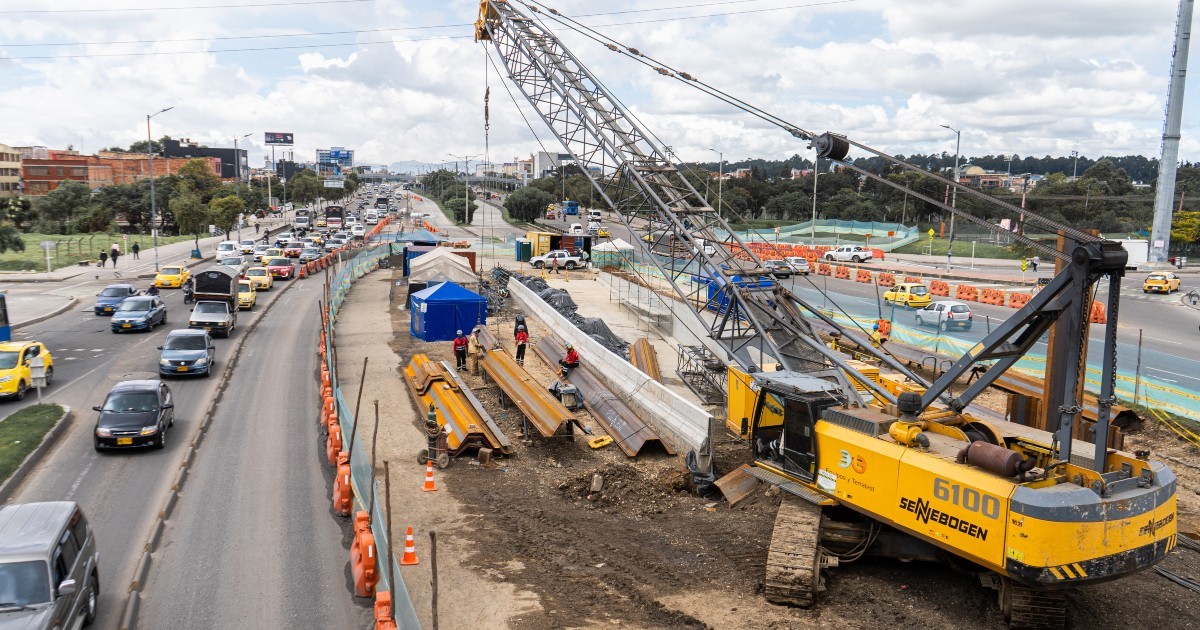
853,462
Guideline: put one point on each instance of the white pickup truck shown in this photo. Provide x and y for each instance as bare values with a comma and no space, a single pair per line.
849,253
565,260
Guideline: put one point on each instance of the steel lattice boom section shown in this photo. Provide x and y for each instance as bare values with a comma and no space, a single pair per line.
688,241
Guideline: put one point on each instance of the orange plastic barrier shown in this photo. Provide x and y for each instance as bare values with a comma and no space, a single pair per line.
913,279
842,272
1017,300
328,409
383,611
342,499
885,280
939,287
824,269
967,292
303,271
333,443
363,557
863,276
1099,313
994,297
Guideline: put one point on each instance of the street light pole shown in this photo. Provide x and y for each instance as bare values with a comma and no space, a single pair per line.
1075,168
153,204
954,193
237,163
466,182
720,178
812,233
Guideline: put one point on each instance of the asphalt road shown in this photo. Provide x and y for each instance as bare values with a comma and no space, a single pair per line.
253,542
120,492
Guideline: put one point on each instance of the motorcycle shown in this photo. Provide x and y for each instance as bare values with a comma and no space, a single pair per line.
189,295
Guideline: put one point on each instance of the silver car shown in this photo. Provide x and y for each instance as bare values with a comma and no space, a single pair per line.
49,573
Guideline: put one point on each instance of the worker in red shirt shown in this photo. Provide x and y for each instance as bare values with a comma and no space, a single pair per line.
460,351
570,361
522,339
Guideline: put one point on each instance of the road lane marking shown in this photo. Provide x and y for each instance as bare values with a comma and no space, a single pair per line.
1178,343
79,480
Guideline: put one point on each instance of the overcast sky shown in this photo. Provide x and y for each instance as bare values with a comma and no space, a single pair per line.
403,79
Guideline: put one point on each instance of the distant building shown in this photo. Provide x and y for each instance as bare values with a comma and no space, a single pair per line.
10,171
44,175
128,168
544,164
230,158
287,169
334,159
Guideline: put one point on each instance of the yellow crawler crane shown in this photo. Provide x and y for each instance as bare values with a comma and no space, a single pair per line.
898,471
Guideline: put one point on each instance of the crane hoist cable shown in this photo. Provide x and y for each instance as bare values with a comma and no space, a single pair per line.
1028,216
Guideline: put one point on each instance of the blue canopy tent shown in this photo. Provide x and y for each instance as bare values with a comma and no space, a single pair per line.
440,310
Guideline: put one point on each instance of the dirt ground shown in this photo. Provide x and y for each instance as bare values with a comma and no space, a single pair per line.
646,552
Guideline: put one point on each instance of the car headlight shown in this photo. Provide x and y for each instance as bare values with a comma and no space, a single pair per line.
202,361
103,432
5,379
150,430
164,362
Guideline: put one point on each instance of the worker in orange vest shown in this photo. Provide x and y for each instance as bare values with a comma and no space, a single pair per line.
881,332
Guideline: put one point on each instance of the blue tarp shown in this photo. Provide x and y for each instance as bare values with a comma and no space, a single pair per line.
440,310
419,237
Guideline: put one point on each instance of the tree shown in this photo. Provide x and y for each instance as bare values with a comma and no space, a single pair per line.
436,182
191,214
224,212
18,211
304,187
199,175
127,201
455,206
528,204
92,218
1185,227
58,207
790,205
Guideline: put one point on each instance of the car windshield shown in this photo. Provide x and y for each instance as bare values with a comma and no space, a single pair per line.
245,287
210,307
918,290
959,308
295,245
184,342
310,252
134,306
1157,278
256,272
24,583
279,262
171,271
8,360
114,292
226,246
231,261
131,402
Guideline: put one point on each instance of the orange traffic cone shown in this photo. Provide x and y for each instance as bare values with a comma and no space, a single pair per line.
410,550
429,485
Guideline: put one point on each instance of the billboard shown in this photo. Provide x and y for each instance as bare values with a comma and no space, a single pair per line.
335,183
339,155
283,138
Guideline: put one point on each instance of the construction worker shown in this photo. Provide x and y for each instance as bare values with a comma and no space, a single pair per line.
885,329
569,362
835,341
522,339
555,264
475,349
460,351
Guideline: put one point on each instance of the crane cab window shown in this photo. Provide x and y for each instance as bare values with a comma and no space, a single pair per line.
784,434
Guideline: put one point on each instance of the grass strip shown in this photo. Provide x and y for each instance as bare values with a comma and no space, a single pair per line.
21,432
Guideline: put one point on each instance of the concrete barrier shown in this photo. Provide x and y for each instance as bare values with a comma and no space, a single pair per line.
684,425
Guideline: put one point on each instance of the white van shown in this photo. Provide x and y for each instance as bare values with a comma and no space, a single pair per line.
371,218
595,215
301,223
226,249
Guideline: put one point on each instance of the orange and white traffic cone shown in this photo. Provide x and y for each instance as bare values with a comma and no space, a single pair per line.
429,485
410,550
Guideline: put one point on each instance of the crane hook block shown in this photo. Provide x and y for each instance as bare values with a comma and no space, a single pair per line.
831,146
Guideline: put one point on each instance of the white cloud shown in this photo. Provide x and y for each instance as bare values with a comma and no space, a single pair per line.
1024,77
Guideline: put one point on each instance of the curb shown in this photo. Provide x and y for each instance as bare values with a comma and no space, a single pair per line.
158,528
14,480
33,280
41,318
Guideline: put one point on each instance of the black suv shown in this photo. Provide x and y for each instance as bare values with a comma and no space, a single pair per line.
49,573
135,413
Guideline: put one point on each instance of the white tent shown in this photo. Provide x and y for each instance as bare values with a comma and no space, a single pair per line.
441,265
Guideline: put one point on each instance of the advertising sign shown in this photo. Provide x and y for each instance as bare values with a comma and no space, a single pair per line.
282,138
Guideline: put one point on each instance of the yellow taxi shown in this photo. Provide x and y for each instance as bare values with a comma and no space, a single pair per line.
15,373
321,222
603,232
910,294
247,296
1161,283
273,252
172,277
260,277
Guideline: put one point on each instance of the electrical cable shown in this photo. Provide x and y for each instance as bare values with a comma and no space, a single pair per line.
211,6
232,50
235,37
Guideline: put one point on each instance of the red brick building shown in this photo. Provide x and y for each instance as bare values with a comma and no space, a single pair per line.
42,175
128,168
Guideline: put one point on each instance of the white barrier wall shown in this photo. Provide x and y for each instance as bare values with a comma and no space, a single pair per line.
684,425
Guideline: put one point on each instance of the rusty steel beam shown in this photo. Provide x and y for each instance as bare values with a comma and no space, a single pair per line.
505,445
541,408
625,427
467,425
643,357
1122,418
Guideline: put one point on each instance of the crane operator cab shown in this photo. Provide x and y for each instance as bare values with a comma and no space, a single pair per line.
787,409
